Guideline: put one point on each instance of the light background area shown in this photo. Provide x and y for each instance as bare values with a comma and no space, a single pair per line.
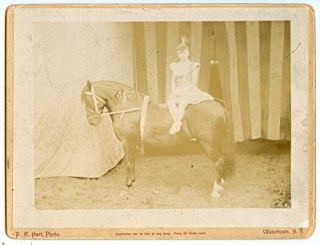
64,56
5,3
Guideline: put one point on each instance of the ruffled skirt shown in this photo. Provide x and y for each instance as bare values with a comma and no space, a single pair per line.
189,95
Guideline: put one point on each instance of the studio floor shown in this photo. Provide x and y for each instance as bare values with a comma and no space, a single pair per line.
179,180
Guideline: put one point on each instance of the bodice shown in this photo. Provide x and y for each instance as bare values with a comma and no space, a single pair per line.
185,74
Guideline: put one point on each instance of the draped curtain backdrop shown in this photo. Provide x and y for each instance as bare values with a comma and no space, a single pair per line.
247,64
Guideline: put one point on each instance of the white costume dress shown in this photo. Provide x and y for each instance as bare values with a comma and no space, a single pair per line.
185,91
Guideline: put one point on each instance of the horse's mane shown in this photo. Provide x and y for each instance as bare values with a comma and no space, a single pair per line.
113,84
106,83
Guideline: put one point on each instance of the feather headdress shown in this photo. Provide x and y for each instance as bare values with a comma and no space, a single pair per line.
183,44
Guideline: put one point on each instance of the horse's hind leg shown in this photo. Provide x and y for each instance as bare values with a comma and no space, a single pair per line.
218,178
215,155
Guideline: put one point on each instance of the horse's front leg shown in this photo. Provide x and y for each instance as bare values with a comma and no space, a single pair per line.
129,160
131,164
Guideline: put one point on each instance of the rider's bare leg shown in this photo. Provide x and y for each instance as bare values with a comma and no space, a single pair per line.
177,117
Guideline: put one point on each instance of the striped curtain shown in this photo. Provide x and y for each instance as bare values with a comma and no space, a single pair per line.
247,64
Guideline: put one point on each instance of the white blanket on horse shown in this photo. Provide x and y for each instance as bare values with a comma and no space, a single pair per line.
72,147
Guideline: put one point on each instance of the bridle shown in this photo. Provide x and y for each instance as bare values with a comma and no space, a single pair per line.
123,93
97,99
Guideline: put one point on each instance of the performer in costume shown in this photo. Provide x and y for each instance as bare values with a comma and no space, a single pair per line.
185,74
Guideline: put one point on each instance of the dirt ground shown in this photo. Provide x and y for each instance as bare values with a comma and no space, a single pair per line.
179,180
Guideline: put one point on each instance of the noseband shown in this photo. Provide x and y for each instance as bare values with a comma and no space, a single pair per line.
96,100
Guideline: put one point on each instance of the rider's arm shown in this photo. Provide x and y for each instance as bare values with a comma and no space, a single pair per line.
195,74
173,79
173,83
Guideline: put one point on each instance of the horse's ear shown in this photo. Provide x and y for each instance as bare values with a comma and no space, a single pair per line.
89,84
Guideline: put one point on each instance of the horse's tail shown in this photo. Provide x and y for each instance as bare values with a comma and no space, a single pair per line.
228,147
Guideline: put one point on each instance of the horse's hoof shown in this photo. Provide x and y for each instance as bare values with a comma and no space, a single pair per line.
129,183
133,178
215,194
217,189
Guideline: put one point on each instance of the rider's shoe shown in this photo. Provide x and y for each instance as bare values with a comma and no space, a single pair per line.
175,128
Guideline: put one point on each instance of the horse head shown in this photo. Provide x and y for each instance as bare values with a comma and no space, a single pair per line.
113,96
94,103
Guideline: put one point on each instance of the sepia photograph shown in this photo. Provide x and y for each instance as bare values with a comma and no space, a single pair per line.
159,117
172,115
